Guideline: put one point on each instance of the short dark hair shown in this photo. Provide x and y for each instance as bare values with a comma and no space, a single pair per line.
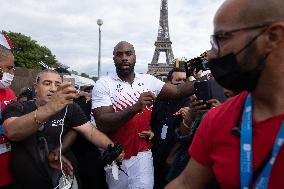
121,43
170,74
39,75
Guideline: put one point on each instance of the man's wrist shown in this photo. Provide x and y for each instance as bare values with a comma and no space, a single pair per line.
133,109
42,114
37,120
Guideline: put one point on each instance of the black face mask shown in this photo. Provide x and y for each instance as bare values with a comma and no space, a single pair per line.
230,75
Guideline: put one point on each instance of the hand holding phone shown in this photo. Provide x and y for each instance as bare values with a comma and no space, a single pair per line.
202,90
68,78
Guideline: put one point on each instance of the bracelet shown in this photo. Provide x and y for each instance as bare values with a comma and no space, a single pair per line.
35,118
185,125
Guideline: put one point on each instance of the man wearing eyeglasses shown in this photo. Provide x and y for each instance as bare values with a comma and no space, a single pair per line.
243,148
6,95
163,124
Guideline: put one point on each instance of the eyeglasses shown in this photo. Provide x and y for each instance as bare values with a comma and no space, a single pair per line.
218,37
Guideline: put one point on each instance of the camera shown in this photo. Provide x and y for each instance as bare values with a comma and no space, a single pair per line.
197,64
111,153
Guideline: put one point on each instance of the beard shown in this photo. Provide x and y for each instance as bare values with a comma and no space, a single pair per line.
252,59
124,72
253,63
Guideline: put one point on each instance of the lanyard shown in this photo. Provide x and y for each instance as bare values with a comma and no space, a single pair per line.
262,181
246,151
246,145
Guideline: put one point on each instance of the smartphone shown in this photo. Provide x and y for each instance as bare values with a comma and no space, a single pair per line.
68,78
202,90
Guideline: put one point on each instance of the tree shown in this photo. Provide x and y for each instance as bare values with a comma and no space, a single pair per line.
94,78
28,53
74,72
85,75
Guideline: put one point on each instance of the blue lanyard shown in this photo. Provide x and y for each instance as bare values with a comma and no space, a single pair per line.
246,145
246,151
262,181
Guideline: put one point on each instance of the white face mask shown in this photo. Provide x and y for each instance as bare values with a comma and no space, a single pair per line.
6,80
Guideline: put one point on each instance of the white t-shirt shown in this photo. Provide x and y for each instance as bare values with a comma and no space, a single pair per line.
111,90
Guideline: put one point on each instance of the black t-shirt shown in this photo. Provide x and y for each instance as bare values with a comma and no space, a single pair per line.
28,168
162,114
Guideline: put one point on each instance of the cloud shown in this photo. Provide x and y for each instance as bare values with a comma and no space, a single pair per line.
69,28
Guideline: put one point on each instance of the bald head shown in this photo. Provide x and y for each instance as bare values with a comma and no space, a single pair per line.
122,43
249,12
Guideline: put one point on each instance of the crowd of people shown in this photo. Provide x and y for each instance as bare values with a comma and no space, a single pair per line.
222,130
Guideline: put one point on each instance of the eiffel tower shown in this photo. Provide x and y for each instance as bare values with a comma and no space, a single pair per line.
162,44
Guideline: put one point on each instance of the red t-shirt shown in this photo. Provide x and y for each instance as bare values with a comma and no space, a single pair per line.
215,146
6,95
128,134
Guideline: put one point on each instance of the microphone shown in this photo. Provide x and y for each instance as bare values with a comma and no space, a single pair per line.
236,131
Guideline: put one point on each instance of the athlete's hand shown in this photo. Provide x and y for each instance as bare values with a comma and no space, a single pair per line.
147,135
145,99
120,157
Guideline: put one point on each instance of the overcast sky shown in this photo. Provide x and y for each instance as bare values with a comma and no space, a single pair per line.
69,28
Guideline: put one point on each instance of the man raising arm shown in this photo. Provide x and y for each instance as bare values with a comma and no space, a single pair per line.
35,127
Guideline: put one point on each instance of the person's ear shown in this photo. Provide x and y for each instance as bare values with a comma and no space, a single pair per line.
274,36
35,88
